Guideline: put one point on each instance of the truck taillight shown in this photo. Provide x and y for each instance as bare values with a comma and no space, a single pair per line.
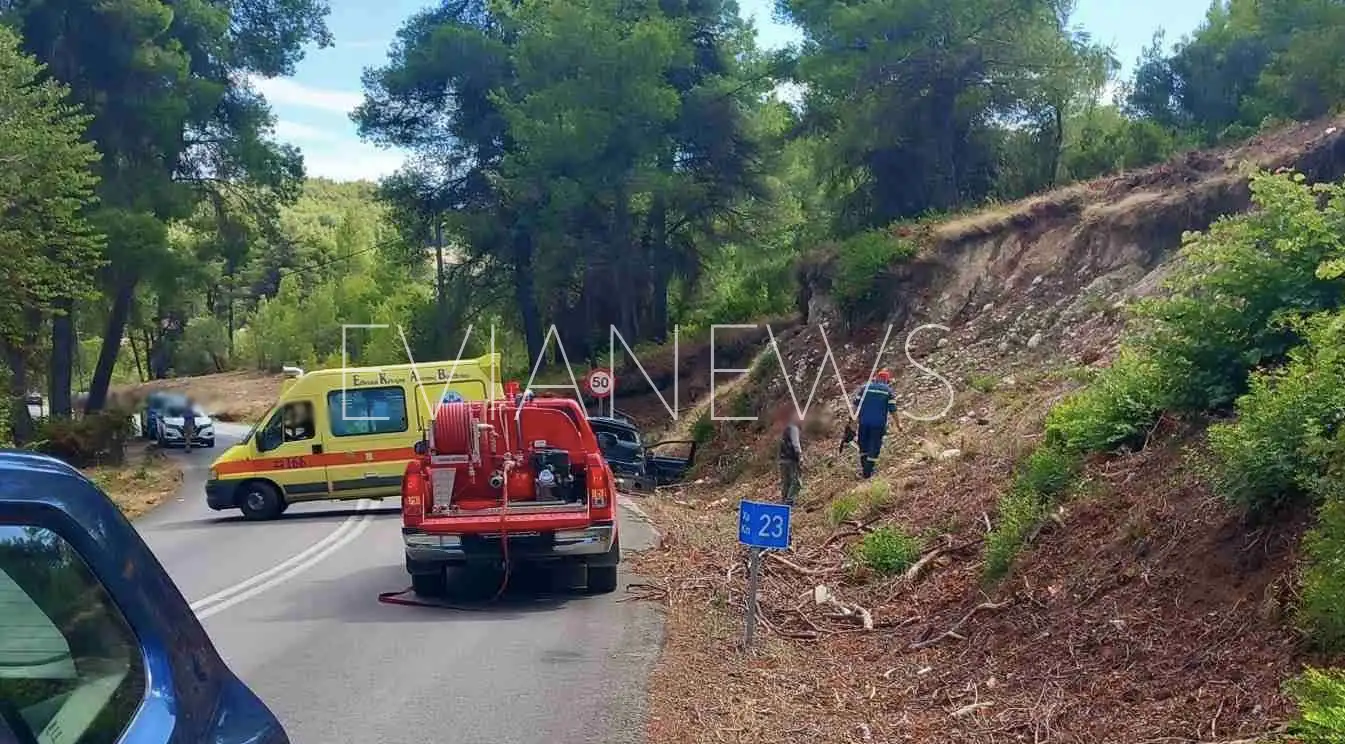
600,493
415,492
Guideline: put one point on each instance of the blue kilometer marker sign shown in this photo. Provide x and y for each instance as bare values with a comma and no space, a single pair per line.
763,525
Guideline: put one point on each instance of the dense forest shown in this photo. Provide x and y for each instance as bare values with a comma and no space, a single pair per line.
575,163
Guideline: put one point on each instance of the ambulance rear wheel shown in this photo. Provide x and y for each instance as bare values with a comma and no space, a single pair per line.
433,584
260,501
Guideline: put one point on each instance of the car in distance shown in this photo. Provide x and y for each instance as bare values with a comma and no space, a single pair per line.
155,405
99,646
172,426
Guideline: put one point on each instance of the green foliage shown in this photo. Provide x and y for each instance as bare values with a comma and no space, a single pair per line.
843,509
865,502
861,263
204,347
1230,305
1248,61
1041,480
1116,409
887,550
1320,697
703,429
1323,587
983,383
1280,439
92,439
1237,284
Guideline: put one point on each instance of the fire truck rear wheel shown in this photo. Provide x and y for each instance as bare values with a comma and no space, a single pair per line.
433,584
601,579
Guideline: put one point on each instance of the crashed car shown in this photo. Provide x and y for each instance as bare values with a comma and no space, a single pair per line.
638,466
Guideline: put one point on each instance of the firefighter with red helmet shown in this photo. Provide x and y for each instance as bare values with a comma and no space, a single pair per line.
876,401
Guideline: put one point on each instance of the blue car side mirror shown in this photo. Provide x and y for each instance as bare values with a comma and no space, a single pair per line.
107,648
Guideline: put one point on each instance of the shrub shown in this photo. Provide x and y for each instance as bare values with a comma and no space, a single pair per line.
888,550
982,383
1019,513
1041,479
203,348
1236,283
87,440
703,429
1116,409
1277,443
860,262
1323,592
1320,696
843,509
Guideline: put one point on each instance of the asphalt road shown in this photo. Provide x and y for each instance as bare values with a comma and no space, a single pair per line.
292,606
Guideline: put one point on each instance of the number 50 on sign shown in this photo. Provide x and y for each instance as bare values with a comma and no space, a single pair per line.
763,525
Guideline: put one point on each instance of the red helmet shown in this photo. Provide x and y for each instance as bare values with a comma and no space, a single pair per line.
883,375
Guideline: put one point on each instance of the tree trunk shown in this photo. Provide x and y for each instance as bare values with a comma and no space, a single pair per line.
658,261
107,355
1057,143
20,421
628,286
441,300
16,358
135,354
62,358
525,295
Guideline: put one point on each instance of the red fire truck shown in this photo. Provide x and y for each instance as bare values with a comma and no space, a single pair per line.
509,483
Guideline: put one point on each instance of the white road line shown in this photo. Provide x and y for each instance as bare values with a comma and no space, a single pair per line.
281,572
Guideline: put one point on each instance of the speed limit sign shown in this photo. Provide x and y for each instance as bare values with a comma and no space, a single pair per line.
600,383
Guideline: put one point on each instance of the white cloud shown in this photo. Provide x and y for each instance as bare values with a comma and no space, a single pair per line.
351,161
288,92
293,131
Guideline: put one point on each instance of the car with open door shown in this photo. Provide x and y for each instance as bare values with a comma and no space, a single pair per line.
636,465
98,645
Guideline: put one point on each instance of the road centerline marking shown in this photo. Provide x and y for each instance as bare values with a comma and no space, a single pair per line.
283,571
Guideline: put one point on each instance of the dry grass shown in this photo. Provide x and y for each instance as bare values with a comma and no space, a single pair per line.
243,396
146,479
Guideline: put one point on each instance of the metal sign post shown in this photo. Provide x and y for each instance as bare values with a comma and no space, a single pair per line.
761,526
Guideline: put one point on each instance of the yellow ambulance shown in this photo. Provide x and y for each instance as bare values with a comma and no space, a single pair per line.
342,434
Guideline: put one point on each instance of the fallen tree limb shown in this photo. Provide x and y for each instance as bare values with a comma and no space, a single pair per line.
952,632
796,568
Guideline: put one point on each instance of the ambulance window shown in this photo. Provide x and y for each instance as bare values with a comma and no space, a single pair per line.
371,411
298,421
71,669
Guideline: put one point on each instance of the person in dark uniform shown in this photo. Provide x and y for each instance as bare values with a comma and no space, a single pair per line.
876,401
791,458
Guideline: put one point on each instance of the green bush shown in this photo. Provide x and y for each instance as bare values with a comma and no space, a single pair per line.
703,429
861,261
1236,284
864,502
1228,309
1278,442
1323,593
98,438
1116,409
888,550
203,348
1045,476
843,509
1320,696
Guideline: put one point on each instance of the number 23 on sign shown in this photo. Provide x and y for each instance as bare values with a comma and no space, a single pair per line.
763,525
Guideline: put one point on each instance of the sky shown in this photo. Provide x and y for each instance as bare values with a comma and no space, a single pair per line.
312,108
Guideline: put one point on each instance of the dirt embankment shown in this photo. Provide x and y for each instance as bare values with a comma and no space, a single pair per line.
1146,611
